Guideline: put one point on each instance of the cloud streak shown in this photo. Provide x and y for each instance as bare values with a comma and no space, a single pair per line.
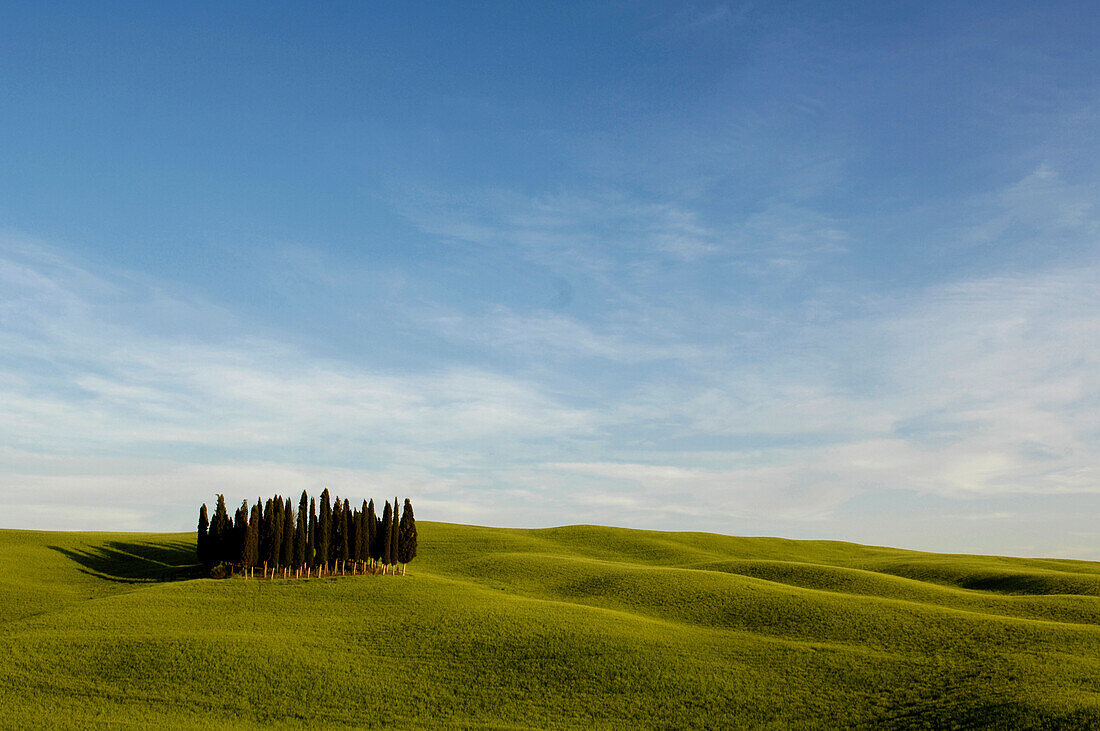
976,393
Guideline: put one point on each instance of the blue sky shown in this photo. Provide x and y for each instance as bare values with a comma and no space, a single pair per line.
813,270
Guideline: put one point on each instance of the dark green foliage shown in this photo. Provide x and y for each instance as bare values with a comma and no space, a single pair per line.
372,532
276,530
406,548
379,540
274,534
267,531
286,554
221,570
270,554
363,534
311,539
240,532
260,530
395,537
337,524
353,535
203,544
300,532
220,531
251,553
324,530
345,528
387,533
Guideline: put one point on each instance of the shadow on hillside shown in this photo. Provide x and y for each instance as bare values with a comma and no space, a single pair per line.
1030,584
136,562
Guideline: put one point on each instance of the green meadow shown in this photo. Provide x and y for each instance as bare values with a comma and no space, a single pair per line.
575,627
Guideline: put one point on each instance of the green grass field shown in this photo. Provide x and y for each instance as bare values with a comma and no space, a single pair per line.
571,627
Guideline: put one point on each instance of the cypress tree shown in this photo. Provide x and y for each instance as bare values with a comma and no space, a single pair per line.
203,544
363,534
220,530
386,538
240,532
345,528
212,545
353,535
262,533
252,541
227,537
311,541
259,530
240,528
233,546
407,546
300,531
267,531
372,532
337,531
324,530
286,555
276,530
395,539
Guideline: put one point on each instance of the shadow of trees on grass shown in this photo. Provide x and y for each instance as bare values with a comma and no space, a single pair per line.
131,563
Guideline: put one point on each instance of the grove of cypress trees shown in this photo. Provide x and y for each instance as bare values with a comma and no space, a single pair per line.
300,531
406,550
324,530
203,544
277,535
386,539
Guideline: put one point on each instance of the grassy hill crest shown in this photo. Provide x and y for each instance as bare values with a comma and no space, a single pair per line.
559,627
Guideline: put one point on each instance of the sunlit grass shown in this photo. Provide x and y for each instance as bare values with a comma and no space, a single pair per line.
567,627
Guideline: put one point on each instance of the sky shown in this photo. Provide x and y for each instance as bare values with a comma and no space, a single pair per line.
814,270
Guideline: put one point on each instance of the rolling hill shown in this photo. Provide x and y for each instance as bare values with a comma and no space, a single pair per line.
564,627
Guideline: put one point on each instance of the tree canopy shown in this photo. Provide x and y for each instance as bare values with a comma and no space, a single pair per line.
274,537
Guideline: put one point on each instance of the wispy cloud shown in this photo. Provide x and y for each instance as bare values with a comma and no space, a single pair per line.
586,226
77,382
689,19
554,336
705,414
1041,211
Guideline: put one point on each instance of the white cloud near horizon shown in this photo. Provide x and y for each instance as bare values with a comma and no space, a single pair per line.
117,392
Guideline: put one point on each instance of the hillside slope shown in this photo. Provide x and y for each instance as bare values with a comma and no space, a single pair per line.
563,627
